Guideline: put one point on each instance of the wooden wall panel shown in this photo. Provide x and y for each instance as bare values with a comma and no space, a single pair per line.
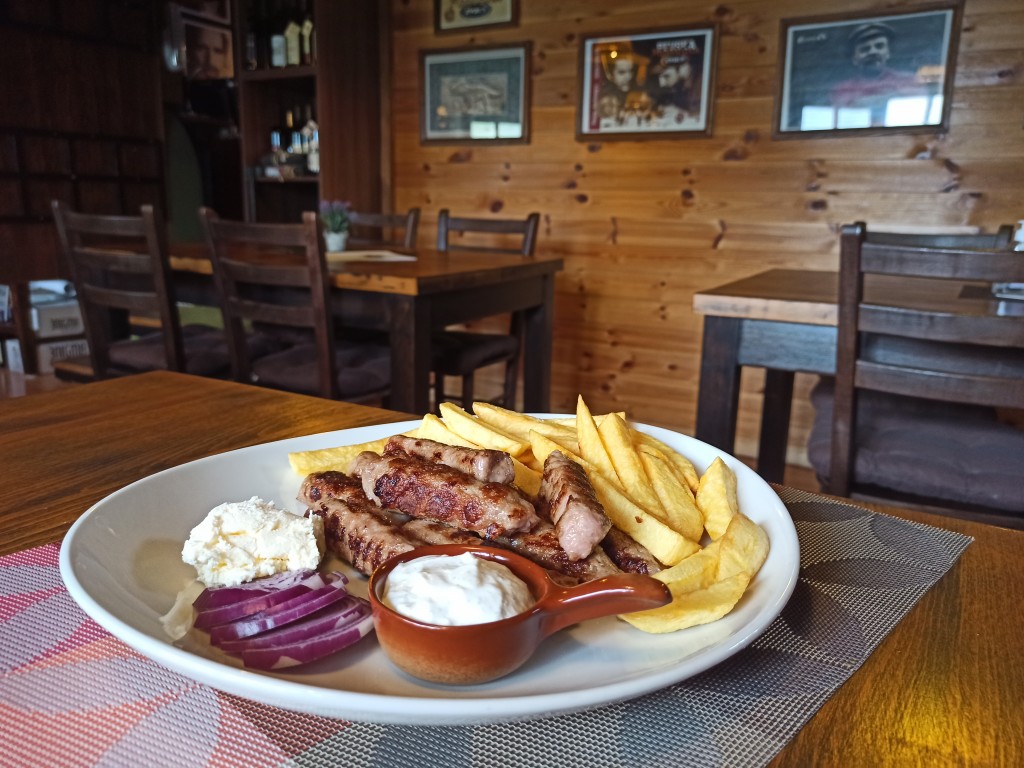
643,225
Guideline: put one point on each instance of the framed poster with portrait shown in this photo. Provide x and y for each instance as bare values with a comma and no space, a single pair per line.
867,73
656,84
459,15
476,94
208,51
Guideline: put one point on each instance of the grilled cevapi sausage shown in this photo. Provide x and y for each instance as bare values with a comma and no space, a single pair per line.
422,489
355,529
629,554
569,501
484,464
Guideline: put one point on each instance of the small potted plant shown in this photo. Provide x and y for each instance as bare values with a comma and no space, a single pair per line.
334,215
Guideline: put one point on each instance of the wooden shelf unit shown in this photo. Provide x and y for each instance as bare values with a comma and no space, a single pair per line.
344,88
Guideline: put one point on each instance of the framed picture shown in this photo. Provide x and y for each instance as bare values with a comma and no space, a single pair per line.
867,73
208,51
217,11
457,15
476,94
656,84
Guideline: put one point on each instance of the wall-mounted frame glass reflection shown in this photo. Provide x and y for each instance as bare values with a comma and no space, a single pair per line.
476,94
867,73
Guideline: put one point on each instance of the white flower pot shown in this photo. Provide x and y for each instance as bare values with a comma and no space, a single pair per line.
335,241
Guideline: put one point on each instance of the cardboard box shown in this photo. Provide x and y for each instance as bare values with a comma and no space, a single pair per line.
59,319
47,353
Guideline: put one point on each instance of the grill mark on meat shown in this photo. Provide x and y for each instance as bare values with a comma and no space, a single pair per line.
542,546
484,464
422,489
354,528
568,499
629,554
429,532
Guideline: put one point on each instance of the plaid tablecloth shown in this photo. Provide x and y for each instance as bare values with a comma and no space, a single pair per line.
71,694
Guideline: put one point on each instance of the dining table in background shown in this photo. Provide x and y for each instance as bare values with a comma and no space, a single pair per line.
410,299
943,687
784,320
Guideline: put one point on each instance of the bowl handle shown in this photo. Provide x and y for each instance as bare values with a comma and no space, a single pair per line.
621,593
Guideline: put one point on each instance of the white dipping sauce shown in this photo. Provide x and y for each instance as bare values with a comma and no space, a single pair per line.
455,590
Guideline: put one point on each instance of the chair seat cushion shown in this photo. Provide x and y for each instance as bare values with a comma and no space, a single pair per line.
951,452
206,351
457,353
363,369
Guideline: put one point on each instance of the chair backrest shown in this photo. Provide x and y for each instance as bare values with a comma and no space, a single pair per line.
383,230
523,229
928,352
119,266
272,274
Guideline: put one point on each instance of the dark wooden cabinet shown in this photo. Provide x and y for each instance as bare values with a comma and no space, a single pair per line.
343,86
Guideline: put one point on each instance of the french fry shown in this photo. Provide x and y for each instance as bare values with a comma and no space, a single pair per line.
682,465
744,548
698,570
716,498
570,421
690,608
332,459
432,428
676,499
665,544
592,448
542,446
519,425
632,477
471,428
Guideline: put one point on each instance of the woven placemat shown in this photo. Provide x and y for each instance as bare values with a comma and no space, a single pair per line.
71,694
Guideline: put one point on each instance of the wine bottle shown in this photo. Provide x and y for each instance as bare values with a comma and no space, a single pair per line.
313,156
307,33
292,33
278,49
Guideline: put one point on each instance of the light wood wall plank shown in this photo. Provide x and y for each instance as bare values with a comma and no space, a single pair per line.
644,225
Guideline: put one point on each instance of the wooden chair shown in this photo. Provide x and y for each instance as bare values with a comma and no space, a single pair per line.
383,230
119,266
911,415
261,283
461,353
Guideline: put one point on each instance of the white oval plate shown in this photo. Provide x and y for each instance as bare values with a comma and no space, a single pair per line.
121,562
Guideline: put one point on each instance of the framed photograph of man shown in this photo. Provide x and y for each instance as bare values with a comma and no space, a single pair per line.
208,51
476,94
646,85
459,15
867,73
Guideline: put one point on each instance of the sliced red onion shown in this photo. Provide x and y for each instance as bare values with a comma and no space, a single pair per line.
278,615
337,616
260,600
305,651
214,597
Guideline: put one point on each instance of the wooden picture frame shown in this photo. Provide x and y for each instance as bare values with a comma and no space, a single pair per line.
475,94
869,73
460,15
653,84
209,51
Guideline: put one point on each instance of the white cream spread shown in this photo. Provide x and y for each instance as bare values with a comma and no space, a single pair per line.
455,590
244,540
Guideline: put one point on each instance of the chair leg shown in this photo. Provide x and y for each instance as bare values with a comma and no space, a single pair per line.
467,391
508,394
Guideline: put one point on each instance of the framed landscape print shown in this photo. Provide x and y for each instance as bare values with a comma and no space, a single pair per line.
655,84
873,73
459,15
476,94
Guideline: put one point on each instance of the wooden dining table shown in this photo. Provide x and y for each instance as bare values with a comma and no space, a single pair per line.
944,687
411,299
784,321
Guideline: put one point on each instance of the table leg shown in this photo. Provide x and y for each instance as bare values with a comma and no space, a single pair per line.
410,354
775,413
539,324
719,394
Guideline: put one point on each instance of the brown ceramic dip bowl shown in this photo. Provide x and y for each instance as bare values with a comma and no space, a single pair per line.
478,653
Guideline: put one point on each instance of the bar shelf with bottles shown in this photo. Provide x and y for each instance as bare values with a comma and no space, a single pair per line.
280,71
